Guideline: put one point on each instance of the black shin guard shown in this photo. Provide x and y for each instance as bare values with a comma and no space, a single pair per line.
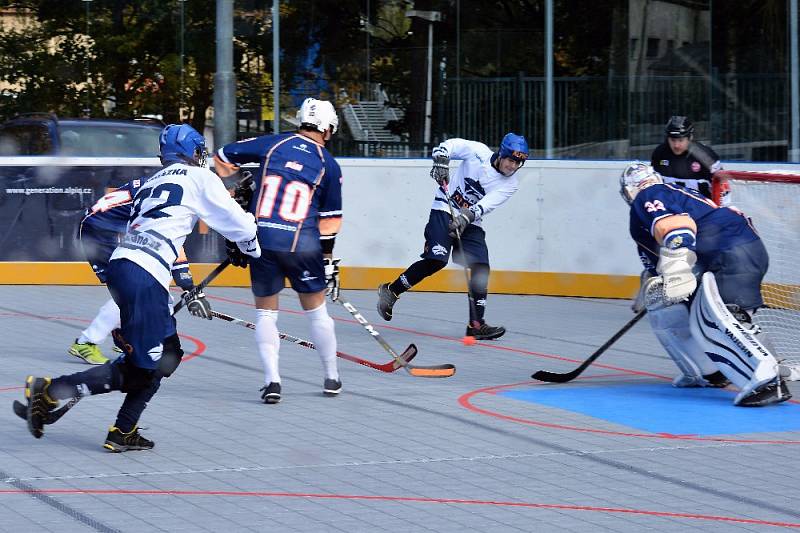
479,289
414,274
134,404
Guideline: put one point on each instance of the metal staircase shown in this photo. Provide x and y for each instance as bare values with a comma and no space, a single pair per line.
367,121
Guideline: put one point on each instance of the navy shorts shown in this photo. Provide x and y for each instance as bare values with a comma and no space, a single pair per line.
144,311
305,271
98,245
438,242
739,271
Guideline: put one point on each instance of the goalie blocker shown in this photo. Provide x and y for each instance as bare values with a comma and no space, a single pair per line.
735,349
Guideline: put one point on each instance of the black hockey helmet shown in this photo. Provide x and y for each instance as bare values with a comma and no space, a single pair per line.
678,127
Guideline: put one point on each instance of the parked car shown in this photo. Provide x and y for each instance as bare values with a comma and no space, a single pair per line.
47,134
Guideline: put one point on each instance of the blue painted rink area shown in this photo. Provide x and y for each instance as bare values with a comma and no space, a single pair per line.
661,408
486,450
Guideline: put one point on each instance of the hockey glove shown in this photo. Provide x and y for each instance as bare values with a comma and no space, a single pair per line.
638,302
243,192
441,170
196,304
675,266
332,278
240,252
236,257
463,219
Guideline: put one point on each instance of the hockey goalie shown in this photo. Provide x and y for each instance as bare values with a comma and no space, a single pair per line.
706,327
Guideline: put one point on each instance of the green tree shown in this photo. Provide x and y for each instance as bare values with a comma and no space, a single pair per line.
121,60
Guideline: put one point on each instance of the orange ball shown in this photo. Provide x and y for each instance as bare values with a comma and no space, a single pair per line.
468,340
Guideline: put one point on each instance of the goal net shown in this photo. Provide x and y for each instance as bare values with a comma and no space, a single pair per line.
771,199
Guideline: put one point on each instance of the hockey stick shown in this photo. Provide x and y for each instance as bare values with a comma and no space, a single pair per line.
472,306
189,295
389,367
21,410
435,371
552,377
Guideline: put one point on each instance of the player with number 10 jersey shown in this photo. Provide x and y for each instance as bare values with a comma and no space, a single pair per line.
298,192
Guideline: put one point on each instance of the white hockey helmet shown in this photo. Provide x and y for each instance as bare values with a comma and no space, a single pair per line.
318,114
635,177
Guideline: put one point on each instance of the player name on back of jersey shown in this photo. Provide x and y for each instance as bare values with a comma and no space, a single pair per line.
170,171
141,239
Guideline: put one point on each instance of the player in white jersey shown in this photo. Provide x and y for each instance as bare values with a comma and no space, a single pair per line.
165,210
483,182
100,232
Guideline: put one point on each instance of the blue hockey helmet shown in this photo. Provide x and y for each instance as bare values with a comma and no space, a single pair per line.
181,143
515,147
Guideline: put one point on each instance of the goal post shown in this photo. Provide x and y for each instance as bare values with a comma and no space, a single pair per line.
771,200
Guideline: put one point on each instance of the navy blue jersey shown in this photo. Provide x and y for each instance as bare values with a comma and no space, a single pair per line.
112,211
298,189
718,228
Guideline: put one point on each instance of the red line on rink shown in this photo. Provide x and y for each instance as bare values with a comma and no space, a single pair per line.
465,400
200,347
413,499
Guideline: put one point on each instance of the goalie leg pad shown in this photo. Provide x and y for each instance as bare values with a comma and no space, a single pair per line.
732,346
671,327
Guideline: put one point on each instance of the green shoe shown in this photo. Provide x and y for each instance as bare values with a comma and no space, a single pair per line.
88,352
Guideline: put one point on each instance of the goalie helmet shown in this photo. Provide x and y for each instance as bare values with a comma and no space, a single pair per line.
318,114
181,143
636,177
679,127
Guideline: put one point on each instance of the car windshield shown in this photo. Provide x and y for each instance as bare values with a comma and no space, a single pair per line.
25,140
108,140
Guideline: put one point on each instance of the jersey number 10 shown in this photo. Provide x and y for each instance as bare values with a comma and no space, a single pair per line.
294,201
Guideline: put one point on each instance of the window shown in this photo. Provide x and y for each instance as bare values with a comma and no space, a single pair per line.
25,140
652,47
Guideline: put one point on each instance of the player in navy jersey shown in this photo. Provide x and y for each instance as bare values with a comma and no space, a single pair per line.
164,211
483,182
708,332
297,202
100,231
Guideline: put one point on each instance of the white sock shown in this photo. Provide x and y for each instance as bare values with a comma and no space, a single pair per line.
269,342
324,337
100,328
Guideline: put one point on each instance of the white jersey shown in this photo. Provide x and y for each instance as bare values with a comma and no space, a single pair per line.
166,209
475,184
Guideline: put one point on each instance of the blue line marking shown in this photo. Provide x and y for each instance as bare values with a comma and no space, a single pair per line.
657,408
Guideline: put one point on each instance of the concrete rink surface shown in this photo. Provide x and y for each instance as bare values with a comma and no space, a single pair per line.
489,449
